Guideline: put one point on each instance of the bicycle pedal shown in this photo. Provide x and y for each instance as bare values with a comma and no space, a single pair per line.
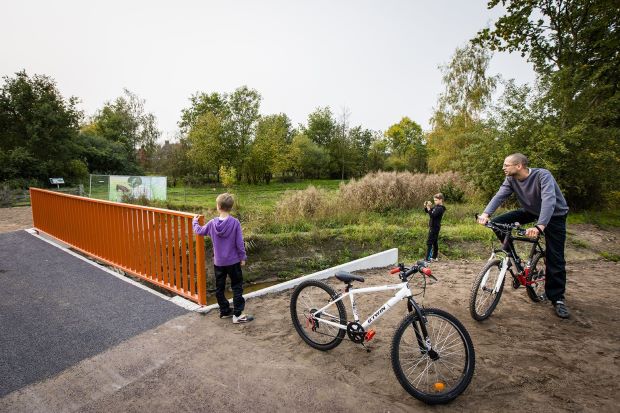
369,335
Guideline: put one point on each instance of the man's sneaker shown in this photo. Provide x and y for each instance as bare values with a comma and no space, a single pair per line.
560,309
243,318
226,315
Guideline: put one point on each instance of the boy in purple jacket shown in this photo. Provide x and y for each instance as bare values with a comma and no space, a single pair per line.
229,256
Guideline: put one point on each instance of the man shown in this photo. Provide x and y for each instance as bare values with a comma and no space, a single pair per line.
542,202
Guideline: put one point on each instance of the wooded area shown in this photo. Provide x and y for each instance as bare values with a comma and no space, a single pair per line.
568,122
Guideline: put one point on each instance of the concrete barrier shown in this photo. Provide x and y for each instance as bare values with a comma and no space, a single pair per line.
381,259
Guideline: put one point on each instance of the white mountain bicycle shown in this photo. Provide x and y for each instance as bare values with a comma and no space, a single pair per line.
432,354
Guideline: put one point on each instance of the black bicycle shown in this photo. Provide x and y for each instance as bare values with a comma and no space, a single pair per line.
489,283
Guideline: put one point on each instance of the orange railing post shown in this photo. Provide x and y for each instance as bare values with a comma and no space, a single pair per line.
156,245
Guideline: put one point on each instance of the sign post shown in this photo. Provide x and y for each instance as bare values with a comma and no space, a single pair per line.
57,182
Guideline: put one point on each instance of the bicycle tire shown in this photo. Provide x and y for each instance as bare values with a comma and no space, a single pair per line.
537,292
313,295
482,305
454,367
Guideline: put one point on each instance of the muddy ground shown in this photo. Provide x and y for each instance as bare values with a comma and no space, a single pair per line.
527,359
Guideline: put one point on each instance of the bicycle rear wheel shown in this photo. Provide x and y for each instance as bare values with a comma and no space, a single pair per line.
483,298
536,291
307,298
440,375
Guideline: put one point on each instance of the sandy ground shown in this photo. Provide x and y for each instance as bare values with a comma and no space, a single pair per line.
527,359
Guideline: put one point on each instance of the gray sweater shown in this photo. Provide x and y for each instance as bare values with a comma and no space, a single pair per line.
537,194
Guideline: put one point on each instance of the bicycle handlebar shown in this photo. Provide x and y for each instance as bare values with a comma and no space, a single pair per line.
405,273
509,227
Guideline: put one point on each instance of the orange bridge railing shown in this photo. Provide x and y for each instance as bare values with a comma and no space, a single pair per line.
156,245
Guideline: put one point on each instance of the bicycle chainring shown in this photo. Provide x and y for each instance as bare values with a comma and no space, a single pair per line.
356,332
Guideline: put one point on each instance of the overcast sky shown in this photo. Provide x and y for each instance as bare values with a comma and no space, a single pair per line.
379,59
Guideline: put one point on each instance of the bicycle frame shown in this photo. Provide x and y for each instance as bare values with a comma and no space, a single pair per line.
509,255
403,292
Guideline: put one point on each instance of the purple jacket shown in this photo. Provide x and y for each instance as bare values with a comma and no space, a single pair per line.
227,240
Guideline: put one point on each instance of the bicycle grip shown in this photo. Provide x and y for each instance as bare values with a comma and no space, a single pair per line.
395,270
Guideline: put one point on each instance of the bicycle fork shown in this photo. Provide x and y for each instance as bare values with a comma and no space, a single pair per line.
421,333
500,278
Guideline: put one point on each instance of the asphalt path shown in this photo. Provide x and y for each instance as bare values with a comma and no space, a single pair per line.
56,310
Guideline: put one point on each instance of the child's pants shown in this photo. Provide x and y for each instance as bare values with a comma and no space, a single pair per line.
236,283
432,245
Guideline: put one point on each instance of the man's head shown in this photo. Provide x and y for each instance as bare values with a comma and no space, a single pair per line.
515,165
438,198
225,202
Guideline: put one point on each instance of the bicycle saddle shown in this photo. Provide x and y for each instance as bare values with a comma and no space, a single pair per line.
348,277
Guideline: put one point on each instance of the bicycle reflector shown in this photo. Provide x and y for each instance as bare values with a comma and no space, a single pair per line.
427,271
394,270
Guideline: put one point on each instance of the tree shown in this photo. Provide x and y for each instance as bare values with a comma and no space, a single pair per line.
361,141
321,126
244,104
308,159
574,48
103,156
126,122
172,159
37,123
207,145
202,103
237,115
270,152
406,145
468,91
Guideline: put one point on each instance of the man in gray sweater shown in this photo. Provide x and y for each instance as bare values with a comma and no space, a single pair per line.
542,202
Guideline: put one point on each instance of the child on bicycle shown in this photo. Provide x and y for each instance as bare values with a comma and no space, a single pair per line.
434,225
229,256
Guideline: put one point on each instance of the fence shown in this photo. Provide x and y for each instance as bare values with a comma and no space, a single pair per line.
156,245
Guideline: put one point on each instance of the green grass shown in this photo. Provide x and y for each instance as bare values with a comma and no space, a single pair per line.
602,218
610,256
249,197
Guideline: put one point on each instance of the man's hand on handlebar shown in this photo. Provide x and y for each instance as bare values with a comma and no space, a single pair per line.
534,231
483,218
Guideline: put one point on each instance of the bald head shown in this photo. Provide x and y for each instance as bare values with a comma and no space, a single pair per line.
518,159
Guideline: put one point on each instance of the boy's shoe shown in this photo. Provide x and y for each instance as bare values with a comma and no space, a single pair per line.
226,315
560,309
243,318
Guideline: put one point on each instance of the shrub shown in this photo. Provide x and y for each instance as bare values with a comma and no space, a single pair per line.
309,203
452,192
228,175
383,191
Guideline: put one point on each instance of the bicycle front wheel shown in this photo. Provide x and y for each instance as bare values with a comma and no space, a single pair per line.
483,298
308,297
536,279
438,375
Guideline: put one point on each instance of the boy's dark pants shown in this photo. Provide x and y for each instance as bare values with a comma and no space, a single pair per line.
555,238
236,283
432,245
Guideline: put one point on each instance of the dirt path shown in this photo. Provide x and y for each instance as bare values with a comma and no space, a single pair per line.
13,219
526,358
